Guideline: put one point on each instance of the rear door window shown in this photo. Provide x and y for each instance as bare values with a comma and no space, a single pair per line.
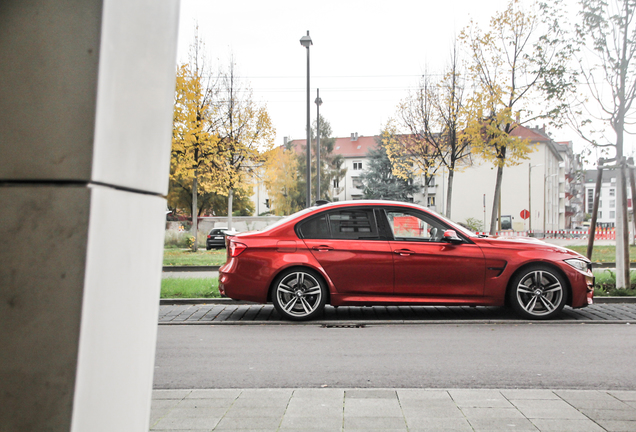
348,223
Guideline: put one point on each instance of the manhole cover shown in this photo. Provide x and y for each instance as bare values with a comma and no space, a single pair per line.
343,326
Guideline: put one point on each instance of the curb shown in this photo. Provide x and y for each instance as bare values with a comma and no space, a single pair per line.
229,301
365,323
169,269
196,301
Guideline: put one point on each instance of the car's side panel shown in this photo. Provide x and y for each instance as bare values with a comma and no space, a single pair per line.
355,266
434,269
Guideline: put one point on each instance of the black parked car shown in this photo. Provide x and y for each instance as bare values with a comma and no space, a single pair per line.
216,238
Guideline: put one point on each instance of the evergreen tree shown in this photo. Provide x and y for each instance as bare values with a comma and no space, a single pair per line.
379,181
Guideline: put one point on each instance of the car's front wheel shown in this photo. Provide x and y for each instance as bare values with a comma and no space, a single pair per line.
538,292
299,294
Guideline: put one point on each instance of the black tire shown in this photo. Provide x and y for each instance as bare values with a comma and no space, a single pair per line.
299,294
538,292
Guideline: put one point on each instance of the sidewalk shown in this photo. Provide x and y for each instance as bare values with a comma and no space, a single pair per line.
412,410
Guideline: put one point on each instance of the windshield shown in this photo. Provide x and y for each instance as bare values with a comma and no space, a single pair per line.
457,226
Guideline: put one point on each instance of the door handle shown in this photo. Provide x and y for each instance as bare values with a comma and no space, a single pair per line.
403,252
322,248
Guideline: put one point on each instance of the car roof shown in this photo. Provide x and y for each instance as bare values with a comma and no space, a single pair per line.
368,203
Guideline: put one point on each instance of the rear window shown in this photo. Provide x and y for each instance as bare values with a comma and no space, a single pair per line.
354,224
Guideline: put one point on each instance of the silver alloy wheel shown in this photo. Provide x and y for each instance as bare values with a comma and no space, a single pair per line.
299,294
540,293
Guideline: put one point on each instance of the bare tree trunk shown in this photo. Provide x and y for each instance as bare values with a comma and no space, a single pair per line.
449,192
195,212
495,202
230,197
426,191
622,270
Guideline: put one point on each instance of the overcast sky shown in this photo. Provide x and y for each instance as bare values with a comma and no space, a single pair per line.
365,56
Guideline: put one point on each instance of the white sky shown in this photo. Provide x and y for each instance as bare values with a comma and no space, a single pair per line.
365,56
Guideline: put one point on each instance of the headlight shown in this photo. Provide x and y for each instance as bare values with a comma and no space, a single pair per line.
578,264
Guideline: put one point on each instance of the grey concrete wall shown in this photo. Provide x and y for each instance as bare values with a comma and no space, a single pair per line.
239,223
86,94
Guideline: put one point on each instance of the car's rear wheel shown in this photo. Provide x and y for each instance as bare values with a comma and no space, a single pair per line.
299,294
538,292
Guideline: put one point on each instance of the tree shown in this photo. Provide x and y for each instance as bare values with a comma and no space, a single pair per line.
194,142
180,197
518,66
410,154
607,66
436,115
331,165
380,183
281,180
244,132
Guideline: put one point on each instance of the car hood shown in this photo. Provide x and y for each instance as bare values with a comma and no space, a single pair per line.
527,243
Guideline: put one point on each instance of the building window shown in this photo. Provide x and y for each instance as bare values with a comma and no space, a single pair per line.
431,181
612,192
612,215
612,203
613,180
431,201
600,214
590,200
357,166
336,183
600,203
356,182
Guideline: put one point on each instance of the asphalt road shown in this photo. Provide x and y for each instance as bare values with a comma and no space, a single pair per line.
562,356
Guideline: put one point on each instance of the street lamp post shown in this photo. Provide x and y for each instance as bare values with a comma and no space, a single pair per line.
530,166
306,42
318,103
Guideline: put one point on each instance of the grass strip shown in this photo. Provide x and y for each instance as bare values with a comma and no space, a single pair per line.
190,288
604,253
185,257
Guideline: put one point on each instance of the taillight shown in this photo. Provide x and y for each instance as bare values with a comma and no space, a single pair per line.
236,248
209,236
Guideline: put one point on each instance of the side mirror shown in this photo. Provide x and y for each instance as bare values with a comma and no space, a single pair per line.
450,236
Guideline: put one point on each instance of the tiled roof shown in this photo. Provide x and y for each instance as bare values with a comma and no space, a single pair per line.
345,146
360,147
534,134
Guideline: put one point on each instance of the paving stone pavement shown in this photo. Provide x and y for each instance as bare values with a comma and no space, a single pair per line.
231,313
413,410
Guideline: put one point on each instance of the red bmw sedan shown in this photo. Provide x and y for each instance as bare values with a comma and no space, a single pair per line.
395,253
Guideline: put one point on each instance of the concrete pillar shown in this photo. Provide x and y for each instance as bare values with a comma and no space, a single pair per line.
86,91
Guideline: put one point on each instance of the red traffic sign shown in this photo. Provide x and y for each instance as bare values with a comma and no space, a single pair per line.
525,214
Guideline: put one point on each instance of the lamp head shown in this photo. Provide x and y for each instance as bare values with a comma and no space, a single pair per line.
306,40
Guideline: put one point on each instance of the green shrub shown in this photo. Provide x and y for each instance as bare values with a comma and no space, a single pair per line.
474,224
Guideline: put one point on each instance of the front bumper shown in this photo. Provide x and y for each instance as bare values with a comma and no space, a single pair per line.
591,282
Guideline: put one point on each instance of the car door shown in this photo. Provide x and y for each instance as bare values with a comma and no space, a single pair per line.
348,246
425,265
